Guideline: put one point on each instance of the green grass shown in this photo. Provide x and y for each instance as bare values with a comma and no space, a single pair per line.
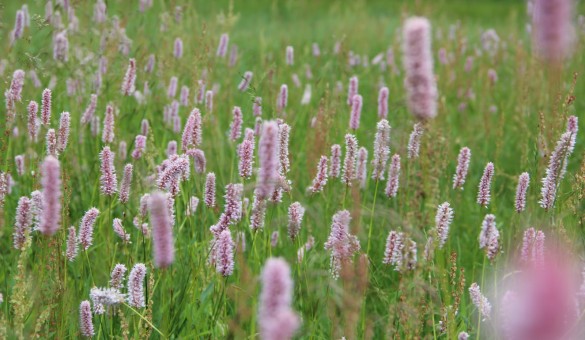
189,299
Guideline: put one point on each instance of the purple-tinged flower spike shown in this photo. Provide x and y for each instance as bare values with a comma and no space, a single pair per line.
37,208
290,56
122,150
172,148
61,47
462,167
381,150
320,179
51,141
72,245
523,182
136,286
199,160
557,164
341,243
108,180
295,217
236,125
532,251
144,127
420,84
16,85
414,141
257,107
349,163
393,251
283,139
178,50
233,55
335,169
362,163
268,157
277,320
128,84
4,187
192,206
483,195
210,190
393,177
119,230
184,96
117,276
258,213
209,101
19,25
233,202
172,89
86,228
224,253
463,336
139,146
443,220
162,230
99,12
51,183
410,255
223,45
356,111
108,132
22,223
481,302
246,154
489,237
33,109
282,99
85,320
553,29
19,163
246,80
383,103
352,89
187,137
46,107
63,134
172,172
90,110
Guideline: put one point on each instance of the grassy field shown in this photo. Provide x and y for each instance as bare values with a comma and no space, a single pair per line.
513,121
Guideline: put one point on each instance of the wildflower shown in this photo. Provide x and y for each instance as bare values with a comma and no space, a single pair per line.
63,133
108,134
135,297
418,62
19,163
341,243
489,237
349,163
523,182
139,146
462,168
553,31
72,244
289,55
268,154
381,150
361,164
61,47
320,179
22,223
223,45
164,250
356,111
86,228
393,176
246,154
414,141
51,183
258,213
276,318
119,230
246,80
257,107
210,190
383,103
483,195
224,253
129,78
85,319
352,89
46,107
33,108
51,140
295,217
105,298
480,301
90,110
443,220
108,180
282,98
236,125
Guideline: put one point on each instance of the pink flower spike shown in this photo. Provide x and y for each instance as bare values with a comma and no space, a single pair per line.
46,107
136,286
414,141
393,176
224,253
128,87
523,182
108,179
86,228
356,111
51,183
483,195
126,183
63,134
223,45
162,232
383,103
85,319
462,168
236,125
246,80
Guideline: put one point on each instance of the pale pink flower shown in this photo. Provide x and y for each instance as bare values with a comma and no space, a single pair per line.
483,195
393,176
462,168
414,141
108,179
320,179
523,182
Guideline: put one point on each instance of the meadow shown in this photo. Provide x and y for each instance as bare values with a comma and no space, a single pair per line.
292,169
